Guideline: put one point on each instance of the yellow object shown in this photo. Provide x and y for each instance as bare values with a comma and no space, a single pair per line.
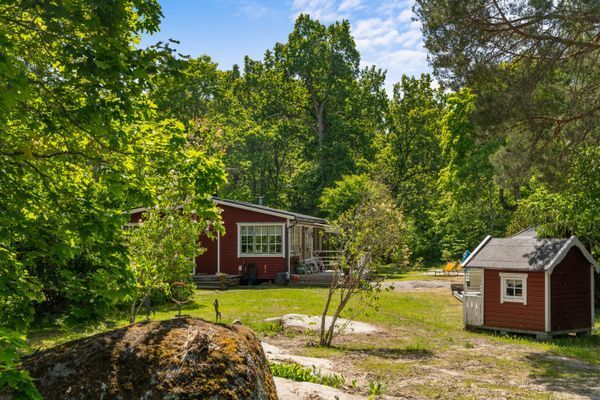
449,267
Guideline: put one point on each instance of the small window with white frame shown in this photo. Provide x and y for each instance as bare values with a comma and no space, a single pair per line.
513,288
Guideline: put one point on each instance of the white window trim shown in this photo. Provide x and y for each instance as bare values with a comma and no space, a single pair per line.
510,299
239,239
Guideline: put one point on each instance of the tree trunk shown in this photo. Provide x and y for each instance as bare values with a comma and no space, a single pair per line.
503,202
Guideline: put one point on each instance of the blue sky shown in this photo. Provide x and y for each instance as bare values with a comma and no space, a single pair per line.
227,30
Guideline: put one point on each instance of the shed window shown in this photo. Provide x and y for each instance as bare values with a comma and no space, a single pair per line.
514,288
264,240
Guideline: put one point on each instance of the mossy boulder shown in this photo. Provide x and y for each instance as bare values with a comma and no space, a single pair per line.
183,358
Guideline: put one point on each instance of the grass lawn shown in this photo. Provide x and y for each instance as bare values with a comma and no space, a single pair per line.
423,350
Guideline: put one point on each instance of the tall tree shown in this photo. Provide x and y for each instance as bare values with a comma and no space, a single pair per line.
408,157
344,108
80,142
534,66
467,207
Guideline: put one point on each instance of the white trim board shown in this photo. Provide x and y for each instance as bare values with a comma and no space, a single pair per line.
256,210
547,301
479,247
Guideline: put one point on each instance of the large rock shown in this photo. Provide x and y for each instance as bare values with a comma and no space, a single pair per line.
177,359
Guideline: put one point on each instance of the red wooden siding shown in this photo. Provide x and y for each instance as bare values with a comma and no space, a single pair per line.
571,293
514,315
267,267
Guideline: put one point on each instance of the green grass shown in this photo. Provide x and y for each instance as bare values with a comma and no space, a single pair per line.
301,374
422,328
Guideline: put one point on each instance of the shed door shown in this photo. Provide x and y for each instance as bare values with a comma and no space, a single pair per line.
473,309
473,297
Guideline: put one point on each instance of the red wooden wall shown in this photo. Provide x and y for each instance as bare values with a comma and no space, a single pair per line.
570,284
514,315
267,267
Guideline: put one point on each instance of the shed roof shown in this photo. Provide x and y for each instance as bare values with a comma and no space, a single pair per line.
524,252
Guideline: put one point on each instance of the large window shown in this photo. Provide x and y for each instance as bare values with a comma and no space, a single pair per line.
513,288
263,240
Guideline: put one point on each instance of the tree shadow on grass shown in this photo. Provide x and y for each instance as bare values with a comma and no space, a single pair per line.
406,352
559,373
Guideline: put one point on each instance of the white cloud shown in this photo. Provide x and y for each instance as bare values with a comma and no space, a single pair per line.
323,10
252,9
386,32
348,5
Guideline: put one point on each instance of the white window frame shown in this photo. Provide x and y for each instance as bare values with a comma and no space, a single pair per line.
309,238
504,298
295,240
261,224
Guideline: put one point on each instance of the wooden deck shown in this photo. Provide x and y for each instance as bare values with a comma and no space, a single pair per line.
216,282
320,279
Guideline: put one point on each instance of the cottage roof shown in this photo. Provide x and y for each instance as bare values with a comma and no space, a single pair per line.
524,251
303,218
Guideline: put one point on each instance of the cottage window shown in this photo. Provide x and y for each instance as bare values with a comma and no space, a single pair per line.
296,240
263,240
513,288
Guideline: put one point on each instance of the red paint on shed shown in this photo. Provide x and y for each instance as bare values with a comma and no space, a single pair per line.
528,316
570,291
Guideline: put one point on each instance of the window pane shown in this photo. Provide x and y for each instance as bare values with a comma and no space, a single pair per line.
519,292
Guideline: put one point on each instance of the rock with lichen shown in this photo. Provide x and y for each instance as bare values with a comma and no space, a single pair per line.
184,358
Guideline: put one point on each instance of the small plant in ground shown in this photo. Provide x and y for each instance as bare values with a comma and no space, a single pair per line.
299,373
375,389
267,328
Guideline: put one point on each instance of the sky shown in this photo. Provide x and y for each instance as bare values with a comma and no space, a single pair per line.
227,30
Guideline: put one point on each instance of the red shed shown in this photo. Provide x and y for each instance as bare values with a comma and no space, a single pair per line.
530,285
258,240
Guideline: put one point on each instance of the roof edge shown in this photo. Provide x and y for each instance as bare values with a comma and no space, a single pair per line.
258,210
564,250
477,249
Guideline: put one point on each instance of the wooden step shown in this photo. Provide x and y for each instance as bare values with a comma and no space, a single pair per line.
216,282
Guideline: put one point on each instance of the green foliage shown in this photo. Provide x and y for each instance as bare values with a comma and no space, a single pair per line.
299,373
347,194
570,210
368,236
467,208
13,380
163,248
408,157
533,66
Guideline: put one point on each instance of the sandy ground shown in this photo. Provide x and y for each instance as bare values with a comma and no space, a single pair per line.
303,322
292,390
417,285
275,353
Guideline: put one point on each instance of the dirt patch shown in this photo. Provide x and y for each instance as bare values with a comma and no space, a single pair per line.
301,322
416,285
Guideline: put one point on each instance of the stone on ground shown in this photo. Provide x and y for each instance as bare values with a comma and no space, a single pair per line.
184,358
303,322
277,354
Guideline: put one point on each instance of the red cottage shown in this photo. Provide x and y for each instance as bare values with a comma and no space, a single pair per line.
530,285
259,241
